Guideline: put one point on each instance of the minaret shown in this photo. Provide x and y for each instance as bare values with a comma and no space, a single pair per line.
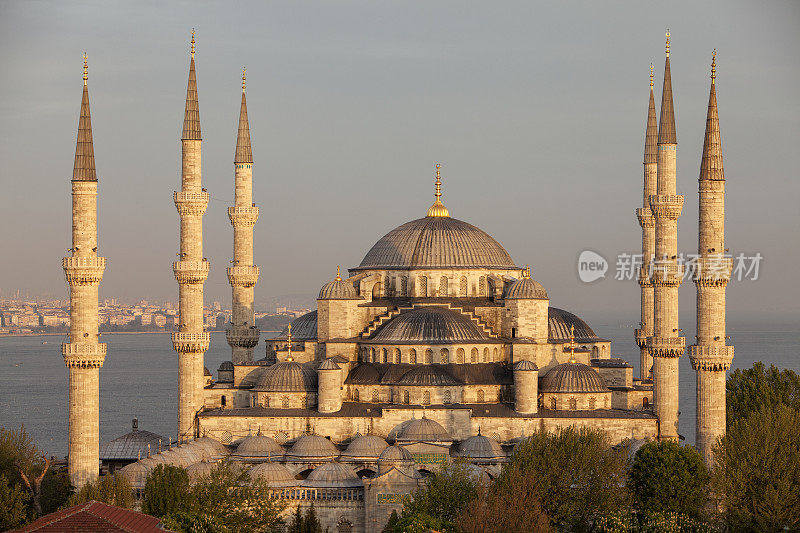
83,355
648,224
710,356
191,270
666,345
243,275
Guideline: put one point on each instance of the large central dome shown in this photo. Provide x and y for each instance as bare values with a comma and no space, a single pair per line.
436,242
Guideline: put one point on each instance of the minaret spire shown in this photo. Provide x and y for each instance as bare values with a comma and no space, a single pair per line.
244,152
666,125
84,150
438,209
191,116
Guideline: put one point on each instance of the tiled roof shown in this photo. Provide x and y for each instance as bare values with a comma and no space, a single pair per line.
96,517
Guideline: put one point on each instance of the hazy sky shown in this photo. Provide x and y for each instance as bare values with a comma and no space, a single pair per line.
535,110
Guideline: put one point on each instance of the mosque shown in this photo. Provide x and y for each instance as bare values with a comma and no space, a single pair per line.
437,346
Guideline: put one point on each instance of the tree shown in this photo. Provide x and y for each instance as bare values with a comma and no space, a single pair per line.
576,473
23,463
750,389
56,490
112,489
667,477
167,491
758,471
656,522
14,510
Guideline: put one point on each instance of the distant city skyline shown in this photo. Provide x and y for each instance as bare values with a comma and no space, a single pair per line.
352,105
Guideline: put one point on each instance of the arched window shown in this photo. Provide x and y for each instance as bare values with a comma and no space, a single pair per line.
473,357
355,395
422,290
406,397
462,286
429,356
573,404
482,286
443,283
397,355
480,396
645,403
460,356
448,397
486,355
285,402
385,356
375,396
553,403
223,400
426,397
592,402
412,356
404,286
595,352
377,290
389,286
604,351
374,356
494,355
445,353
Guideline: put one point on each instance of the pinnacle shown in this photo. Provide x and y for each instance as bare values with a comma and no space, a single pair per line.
244,152
666,126
191,117
84,150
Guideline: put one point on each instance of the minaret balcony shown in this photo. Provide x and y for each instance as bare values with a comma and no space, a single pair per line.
83,354
711,270
666,346
646,218
191,272
667,274
243,276
243,336
712,358
644,275
243,216
183,342
641,337
667,206
83,270
191,203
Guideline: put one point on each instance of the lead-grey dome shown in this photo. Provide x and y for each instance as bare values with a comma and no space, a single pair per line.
573,377
428,375
312,447
366,446
332,475
303,328
338,289
559,321
287,376
481,447
275,474
430,325
526,288
258,446
436,242
394,456
424,430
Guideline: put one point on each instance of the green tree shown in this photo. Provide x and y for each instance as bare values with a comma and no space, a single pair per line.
112,489
576,472
56,490
750,389
14,509
23,463
667,477
311,523
296,525
758,471
655,522
167,491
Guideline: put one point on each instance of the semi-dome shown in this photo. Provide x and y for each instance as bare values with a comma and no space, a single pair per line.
558,326
312,448
303,328
526,288
332,475
365,447
430,325
481,447
428,375
525,366
436,242
258,446
338,289
329,364
275,474
573,377
424,430
287,376
394,456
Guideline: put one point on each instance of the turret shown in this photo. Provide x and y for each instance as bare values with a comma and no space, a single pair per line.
525,319
329,387
526,387
710,356
337,307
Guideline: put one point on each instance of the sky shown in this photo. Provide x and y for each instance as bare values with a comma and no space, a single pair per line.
536,111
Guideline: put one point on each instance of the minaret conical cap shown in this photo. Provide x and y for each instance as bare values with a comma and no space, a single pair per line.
84,149
711,164
651,133
191,117
666,125
244,153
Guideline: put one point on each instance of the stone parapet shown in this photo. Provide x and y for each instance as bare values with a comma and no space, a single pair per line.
711,358
641,337
644,275
711,271
243,337
191,203
666,274
83,354
83,270
183,342
666,205
243,276
191,272
243,216
666,346
646,218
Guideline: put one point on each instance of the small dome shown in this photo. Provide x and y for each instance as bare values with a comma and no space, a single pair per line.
525,366
526,288
558,326
275,474
136,473
366,447
303,328
329,364
332,475
258,446
430,325
424,430
206,371
573,377
394,456
428,375
481,447
287,376
312,447
201,469
338,289
210,448
225,366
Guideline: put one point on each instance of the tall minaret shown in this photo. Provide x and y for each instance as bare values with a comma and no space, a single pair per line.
648,224
710,356
191,270
666,345
83,355
243,275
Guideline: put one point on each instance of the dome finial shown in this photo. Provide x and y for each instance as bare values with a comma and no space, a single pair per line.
338,273
244,71
289,344
714,65
651,76
192,43
85,68
667,42
438,209
572,343
526,272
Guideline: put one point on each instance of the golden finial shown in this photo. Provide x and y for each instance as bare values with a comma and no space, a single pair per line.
572,343
192,43
85,68
667,42
289,344
438,182
338,274
714,65
244,71
526,272
438,209
651,76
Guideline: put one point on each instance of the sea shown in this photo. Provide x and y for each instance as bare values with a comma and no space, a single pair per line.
139,377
